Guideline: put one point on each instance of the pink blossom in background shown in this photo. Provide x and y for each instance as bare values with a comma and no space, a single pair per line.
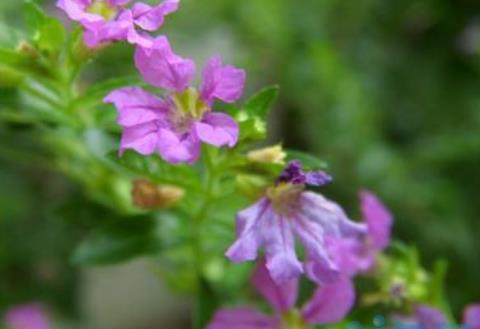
113,20
176,125
329,304
30,316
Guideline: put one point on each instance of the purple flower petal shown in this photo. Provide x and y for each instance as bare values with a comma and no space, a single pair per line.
162,68
217,129
378,219
279,242
223,82
27,317
330,303
242,318
76,10
248,234
136,106
319,265
471,317
151,18
293,173
142,138
350,254
175,148
430,318
118,3
281,297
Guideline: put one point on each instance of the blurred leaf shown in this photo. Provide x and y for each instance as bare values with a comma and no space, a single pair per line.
261,103
51,35
154,168
309,161
252,128
34,16
117,242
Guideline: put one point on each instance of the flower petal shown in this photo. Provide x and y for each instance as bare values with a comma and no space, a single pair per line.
330,303
76,10
27,317
350,255
430,318
282,261
319,265
177,149
241,318
223,82
471,316
217,129
142,138
378,219
136,106
162,68
330,216
151,18
281,297
248,235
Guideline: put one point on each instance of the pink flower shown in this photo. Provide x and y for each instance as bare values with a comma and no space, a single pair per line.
111,20
176,126
287,211
431,318
329,304
30,316
353,255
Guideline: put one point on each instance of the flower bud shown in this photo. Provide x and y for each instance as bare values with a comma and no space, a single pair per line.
271,154
147,195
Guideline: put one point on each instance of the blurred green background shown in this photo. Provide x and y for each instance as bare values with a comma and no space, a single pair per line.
387,92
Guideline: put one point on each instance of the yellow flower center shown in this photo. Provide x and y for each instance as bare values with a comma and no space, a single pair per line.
293,320
103,8
188,107
285,198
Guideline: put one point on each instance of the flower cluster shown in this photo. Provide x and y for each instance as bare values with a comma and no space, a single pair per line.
335,248
30,316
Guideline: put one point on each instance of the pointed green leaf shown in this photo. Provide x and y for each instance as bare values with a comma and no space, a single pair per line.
261,103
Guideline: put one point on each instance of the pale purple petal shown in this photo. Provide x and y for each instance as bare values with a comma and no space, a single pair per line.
329,216
162,68
248,232
430,318
176,148
217,129
76,10
136,106
27,317
331,303
279,242
118,3
151,18
378,219
223,82
351,255
281,297
142,138
471,317
319,265
242,318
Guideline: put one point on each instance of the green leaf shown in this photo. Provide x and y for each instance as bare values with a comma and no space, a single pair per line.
261,103
51,35
154,168
118,242
34,16
308,160
252,128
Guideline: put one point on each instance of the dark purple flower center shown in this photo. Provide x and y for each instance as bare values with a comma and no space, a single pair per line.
295,174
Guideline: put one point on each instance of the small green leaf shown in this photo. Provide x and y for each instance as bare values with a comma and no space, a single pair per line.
308,160
51,35
34,16
118,242
154,168
261,103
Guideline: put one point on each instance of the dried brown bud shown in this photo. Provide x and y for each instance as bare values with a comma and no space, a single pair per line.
271,154
148,195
